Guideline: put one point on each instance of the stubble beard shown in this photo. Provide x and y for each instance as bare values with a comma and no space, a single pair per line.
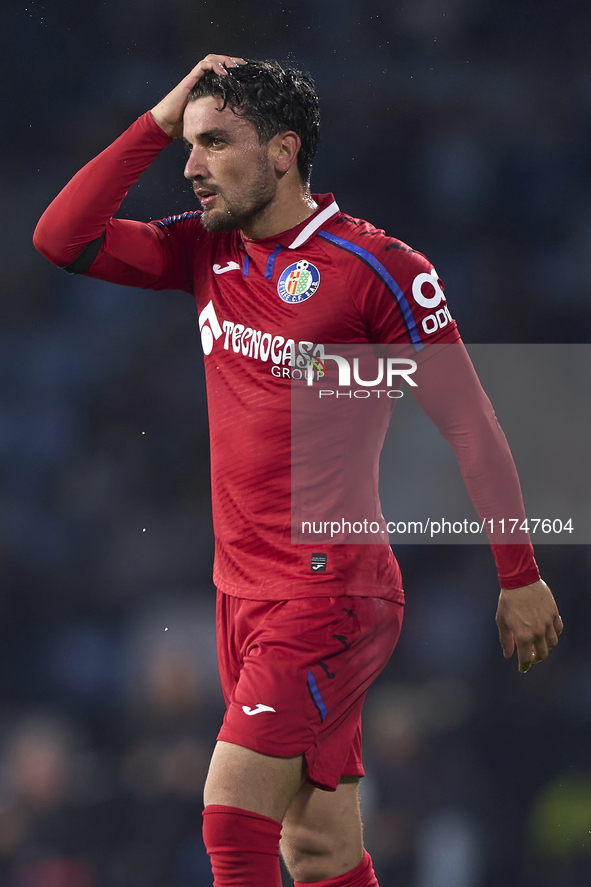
247,209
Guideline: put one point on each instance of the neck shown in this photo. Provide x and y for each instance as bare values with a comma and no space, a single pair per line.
285,211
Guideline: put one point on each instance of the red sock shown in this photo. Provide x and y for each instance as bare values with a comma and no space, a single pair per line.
362,875
243,847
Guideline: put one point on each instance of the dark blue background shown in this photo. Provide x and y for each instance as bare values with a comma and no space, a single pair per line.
464,129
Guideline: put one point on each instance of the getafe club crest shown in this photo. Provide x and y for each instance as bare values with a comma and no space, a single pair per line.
298,282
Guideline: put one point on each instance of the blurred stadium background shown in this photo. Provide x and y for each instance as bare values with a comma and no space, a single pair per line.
462,127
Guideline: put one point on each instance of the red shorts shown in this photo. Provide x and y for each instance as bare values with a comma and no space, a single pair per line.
295,673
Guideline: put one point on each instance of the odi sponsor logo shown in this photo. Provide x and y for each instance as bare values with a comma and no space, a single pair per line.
289,359
439,318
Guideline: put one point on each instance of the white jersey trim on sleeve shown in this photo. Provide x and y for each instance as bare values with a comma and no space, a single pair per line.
313,226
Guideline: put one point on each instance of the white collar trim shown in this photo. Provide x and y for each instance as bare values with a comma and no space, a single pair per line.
313,226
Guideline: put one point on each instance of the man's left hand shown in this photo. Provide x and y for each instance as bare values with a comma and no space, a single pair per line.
528,618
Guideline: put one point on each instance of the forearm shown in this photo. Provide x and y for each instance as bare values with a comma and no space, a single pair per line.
491,479
450,393
82,210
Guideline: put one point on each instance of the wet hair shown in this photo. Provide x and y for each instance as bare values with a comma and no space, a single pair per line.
271,97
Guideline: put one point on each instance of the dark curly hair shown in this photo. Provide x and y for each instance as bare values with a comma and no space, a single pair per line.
273,98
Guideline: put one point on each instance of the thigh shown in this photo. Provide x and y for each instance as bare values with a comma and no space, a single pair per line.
322,835
241,777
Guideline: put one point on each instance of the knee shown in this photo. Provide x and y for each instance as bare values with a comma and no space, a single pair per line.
310,855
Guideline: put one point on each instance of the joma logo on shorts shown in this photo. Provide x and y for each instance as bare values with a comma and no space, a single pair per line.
257,710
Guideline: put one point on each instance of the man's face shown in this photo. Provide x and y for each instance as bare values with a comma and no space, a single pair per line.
232,173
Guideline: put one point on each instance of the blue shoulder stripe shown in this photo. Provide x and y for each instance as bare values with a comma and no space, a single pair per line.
172,220
386,279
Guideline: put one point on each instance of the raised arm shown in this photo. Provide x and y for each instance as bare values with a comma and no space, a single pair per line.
72,229
79,223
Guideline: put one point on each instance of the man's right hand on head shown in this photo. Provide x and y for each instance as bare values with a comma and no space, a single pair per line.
168,113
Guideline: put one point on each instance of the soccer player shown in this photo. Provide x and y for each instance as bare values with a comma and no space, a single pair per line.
277,272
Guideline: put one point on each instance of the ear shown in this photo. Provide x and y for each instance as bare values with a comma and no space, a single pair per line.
285,147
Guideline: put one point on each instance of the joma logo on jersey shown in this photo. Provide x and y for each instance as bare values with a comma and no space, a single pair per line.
298,282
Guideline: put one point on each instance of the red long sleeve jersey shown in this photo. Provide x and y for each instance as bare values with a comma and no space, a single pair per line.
264,308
